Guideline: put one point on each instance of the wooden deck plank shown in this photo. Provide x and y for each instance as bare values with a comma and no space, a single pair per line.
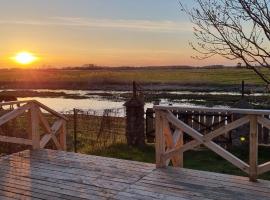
48,174
69,180
191,188
209,181
56,190
95,173
96,160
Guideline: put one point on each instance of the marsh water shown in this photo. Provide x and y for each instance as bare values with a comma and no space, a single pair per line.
66,100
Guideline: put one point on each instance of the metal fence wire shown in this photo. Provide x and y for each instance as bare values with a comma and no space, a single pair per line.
93,130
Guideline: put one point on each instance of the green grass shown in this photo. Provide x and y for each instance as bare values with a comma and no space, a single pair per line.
204,159
195,76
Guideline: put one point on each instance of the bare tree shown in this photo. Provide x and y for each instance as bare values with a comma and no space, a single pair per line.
234,29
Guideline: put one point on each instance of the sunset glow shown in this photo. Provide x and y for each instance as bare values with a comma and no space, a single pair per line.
114,33
25,58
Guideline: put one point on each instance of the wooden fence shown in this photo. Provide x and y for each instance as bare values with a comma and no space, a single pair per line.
36,123
170,130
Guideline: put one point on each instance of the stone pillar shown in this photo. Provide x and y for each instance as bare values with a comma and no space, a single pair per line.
150,130
135,133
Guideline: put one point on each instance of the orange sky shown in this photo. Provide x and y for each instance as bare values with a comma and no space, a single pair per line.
115,33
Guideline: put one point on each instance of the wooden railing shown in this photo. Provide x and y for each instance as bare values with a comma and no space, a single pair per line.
170,130
36,123
202,121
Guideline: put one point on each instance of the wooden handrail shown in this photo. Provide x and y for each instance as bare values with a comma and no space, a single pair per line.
50,110
35,102
15,102
215,110
170,131
36,119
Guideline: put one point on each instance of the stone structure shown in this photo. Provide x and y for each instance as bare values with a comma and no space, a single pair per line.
135,131
150,125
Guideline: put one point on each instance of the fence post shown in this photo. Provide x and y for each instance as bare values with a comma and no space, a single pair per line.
181,143
34,127
253,148
160,140
75,116
63,136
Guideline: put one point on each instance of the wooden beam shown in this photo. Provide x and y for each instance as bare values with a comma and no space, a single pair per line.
56,126
168,139
15,140
57,144
50,110
178,140
180,149
29,132
35,126
53,132
224,129
263,168
44,140
43,122
211,145
13,114
170,144
63,136
190,145
160,140
253,148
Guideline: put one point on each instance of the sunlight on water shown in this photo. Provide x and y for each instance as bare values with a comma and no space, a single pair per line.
98,102
61,104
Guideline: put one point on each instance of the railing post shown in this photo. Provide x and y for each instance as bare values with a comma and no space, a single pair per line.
63,136
75,118
181,143
29,122
34,127
253,148
160,140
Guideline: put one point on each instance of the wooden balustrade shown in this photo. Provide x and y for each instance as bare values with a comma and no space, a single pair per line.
36,122
170,130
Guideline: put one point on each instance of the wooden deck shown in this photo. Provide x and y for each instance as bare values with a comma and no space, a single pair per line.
48,174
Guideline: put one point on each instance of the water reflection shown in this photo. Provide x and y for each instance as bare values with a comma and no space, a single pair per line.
99,100
61,104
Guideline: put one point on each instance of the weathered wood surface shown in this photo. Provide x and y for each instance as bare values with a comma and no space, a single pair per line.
48,174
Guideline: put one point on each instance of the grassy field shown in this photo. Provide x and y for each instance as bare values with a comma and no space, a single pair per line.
203,159
182,76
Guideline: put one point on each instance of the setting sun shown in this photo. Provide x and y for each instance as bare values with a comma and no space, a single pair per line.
25,58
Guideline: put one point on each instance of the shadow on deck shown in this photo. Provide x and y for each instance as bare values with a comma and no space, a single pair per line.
48,174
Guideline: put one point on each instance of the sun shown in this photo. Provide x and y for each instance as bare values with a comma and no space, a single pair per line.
25,58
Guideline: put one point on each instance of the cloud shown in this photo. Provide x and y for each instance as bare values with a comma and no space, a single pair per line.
138,25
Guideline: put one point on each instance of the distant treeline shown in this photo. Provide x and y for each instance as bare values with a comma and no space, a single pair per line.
96,67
